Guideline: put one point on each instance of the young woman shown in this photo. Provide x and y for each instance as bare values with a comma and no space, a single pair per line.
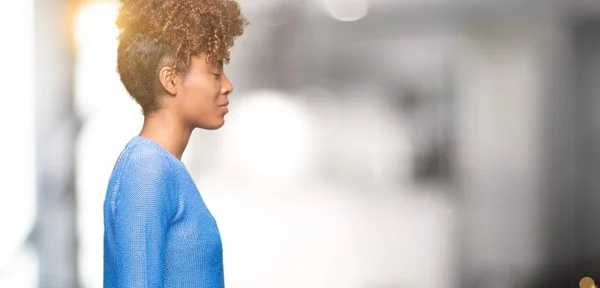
158,230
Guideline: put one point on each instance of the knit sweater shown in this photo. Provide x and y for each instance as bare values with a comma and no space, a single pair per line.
158,231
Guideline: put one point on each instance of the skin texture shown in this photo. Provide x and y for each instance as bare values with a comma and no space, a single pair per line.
201,98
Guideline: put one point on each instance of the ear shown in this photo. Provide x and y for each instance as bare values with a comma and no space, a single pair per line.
168,80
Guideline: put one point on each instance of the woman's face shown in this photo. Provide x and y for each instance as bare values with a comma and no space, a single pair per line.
202,95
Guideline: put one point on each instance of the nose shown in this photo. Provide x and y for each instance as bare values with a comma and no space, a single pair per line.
226,87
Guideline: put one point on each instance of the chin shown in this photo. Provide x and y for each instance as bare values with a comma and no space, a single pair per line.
212,126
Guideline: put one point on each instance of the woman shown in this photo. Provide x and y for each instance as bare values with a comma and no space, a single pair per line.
158,231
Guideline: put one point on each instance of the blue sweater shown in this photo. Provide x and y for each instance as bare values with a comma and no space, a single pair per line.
157,230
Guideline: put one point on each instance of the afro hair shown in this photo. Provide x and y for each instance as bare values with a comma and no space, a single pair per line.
158,33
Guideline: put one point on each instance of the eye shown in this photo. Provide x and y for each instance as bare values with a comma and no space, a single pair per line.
217,76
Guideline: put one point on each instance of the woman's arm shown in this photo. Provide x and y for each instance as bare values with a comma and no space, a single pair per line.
142,213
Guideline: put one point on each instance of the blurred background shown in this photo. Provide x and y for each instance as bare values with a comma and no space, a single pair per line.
370,144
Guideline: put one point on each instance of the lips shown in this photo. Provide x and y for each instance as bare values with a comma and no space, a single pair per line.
224,107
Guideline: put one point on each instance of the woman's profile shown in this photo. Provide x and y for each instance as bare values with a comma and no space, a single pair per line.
158,231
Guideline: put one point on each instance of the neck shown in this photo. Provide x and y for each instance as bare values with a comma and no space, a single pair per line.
168,131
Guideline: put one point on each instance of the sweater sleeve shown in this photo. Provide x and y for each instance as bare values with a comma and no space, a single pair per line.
142,213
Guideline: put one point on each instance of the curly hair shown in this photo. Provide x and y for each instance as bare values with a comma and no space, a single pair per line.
157,33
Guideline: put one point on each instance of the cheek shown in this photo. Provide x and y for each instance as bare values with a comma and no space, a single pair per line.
193,91
198,96
200,87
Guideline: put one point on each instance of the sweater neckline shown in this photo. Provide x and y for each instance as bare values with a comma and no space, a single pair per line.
142,139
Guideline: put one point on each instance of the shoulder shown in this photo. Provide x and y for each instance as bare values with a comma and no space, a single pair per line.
147,182
147,170
139,163
147,162
144,181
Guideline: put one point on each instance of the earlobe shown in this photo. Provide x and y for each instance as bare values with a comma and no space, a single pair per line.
168,79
